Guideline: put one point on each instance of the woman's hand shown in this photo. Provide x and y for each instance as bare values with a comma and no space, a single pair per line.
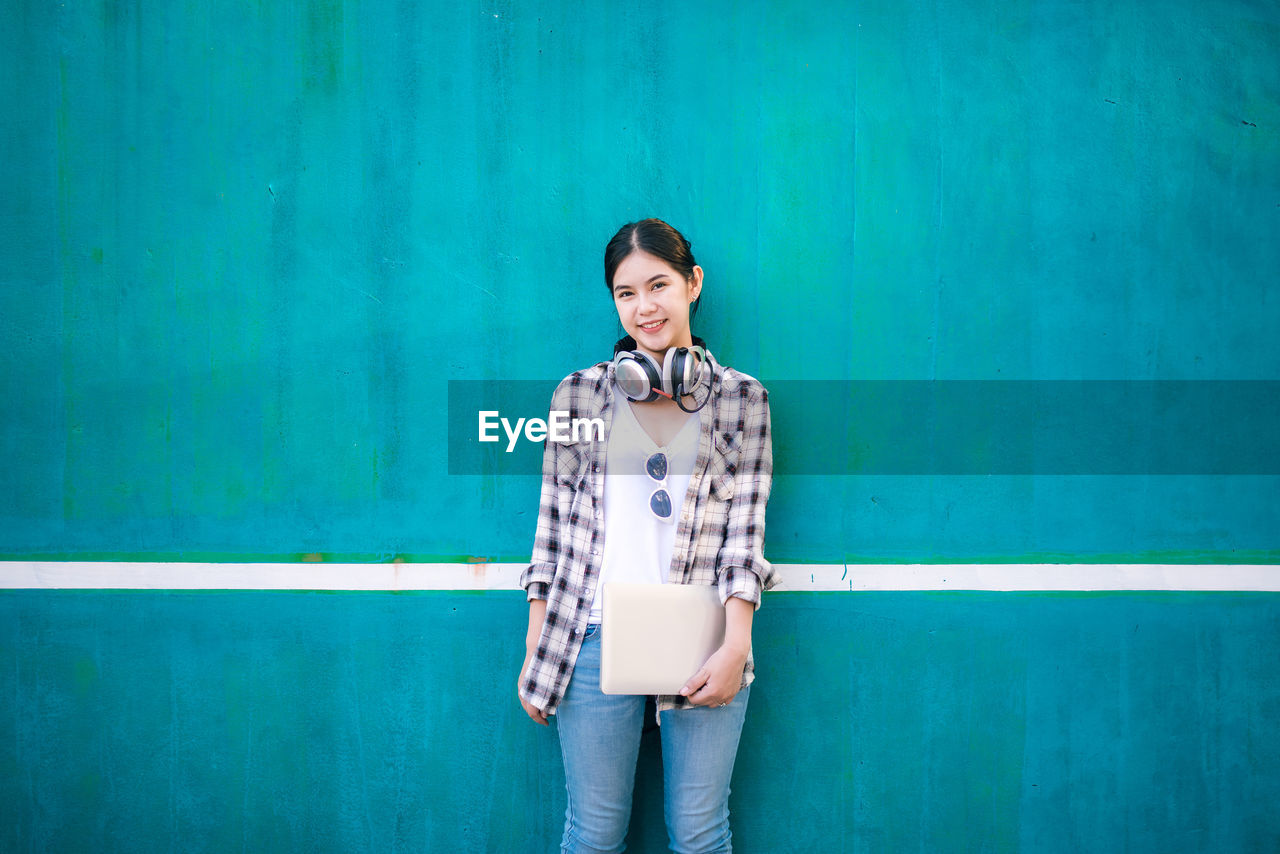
531,710
537,614
718,681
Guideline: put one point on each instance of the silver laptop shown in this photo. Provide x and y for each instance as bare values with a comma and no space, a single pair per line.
653,637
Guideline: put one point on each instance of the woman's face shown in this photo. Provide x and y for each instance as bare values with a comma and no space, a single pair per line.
653,302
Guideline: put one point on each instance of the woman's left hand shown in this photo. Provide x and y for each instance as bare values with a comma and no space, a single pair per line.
718,681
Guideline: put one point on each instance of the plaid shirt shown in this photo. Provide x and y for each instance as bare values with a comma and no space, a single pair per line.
719,538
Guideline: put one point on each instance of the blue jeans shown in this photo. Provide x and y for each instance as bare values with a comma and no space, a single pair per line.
600,739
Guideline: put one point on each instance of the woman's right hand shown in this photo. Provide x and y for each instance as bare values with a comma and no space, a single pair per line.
529,709
537,613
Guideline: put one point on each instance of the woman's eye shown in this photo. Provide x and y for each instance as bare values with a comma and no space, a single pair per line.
657,285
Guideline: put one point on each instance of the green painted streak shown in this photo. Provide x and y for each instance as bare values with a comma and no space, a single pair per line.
354,722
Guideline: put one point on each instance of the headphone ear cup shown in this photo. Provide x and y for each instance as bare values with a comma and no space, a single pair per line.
700,356
636,375
669,366
690,371
682,369
652,373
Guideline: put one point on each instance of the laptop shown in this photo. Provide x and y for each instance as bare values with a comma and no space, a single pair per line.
653,637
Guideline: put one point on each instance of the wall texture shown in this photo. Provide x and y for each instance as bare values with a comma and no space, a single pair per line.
244,247
247,245
146,721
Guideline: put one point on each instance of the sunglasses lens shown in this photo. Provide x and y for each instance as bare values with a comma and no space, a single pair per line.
656,466
660,504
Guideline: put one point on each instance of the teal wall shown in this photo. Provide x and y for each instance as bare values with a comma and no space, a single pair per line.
352,722
247,245
244,247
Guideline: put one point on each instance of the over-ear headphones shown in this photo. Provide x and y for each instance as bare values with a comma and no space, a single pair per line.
683,369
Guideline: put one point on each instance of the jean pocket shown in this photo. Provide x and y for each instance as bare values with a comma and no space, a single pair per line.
592,631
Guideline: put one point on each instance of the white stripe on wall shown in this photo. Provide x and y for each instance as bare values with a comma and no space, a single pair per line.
100,575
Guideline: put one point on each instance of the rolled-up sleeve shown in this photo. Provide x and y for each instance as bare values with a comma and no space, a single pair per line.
741,568
537,577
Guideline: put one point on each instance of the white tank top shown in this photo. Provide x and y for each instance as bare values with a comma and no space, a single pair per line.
637,544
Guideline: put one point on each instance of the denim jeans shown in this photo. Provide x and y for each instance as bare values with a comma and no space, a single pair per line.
600,739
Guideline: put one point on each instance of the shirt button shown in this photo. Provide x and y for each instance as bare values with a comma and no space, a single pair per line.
596,467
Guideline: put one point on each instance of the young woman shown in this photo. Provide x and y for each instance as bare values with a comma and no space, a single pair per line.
698,519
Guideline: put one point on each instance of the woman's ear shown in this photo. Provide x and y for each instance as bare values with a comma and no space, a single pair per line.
695,283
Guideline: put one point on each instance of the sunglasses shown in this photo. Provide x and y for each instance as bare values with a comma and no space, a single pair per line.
660,501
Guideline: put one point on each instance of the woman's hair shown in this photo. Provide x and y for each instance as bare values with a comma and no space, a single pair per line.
659,240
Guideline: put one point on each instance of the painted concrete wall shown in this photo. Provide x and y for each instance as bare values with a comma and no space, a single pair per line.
247,245
344,722
244,247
